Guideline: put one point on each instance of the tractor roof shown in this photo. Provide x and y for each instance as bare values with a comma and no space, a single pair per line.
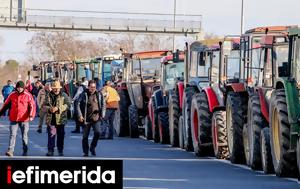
295,30
150,54
271,29
168,58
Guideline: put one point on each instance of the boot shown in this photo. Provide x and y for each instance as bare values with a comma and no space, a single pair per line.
39,130
9,153
50,153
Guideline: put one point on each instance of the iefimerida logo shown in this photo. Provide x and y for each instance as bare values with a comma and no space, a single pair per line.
37,175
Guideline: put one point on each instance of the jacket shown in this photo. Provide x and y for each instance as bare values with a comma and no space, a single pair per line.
81,105
112,97
41,97
62,103
6,90
22,106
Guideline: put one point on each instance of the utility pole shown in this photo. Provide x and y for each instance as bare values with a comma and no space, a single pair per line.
10,10
242,17
174,24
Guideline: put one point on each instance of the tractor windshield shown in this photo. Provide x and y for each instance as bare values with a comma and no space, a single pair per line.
296,66
173,72
233,63
150,67
280,58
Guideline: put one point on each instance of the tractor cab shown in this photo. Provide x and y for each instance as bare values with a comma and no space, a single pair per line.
172,70
112,67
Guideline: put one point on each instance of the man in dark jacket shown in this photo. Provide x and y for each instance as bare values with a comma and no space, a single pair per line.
90,110
22,110
56,105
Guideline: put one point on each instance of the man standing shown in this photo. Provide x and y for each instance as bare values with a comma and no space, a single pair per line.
40,99
6,90
56,105
22,110
112,99
90,111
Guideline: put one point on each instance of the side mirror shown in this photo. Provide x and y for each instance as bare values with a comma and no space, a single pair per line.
283,70
34,67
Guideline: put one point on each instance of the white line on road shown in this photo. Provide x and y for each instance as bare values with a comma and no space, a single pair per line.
142,188
156,179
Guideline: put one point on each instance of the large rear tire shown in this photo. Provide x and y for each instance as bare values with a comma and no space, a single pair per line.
133,121
219,135
266,156
174,113
201,125
121,122
255,123
236,109
187,103
285,162
163,123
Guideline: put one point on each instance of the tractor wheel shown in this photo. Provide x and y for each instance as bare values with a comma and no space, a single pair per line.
284,162
266,156
133,121
155,128
236,109
219,135
201,124
180,132
187,103
174,113
163,123
148,128
121,123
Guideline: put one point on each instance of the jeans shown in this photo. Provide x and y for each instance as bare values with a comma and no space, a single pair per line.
86,133
109,117
53,131
13,129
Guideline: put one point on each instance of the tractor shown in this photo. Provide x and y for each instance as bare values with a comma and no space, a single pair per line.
157,122
141,79
196,76
208,129
284,111
237,102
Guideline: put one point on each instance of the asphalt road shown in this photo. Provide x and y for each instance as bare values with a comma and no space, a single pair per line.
152,166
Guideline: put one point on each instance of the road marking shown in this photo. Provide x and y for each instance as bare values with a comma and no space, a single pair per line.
156,179
142,188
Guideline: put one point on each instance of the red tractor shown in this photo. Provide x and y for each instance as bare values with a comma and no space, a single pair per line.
208,128
243,130
172,69
141,79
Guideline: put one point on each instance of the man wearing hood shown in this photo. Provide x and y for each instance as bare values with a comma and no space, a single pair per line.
22,110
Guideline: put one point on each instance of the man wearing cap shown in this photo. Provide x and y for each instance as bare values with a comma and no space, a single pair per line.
56,105
40,99
22,110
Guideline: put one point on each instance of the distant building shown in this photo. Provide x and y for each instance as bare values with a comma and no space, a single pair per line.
12,10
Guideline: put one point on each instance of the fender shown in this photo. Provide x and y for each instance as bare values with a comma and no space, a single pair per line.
263,104
180,87
238,87
211,97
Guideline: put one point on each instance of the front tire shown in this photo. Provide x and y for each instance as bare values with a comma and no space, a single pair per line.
219,135
174,114
163,123
133,121
266,156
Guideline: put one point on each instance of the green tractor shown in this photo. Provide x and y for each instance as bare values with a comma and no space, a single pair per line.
285,112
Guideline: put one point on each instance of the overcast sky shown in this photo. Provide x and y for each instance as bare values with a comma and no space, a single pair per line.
219,16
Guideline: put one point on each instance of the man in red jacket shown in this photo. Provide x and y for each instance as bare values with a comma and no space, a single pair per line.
22,110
